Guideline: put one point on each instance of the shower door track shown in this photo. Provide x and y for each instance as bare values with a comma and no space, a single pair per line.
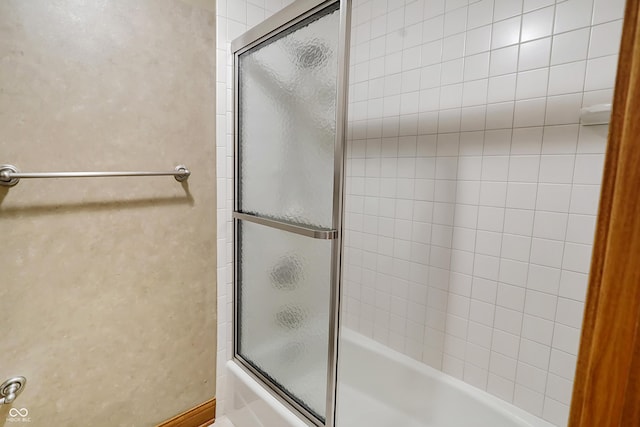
274,25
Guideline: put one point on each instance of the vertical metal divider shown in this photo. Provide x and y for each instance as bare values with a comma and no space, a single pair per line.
236,198
250,39
338,211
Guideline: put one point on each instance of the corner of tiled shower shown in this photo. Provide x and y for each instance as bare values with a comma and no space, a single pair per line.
233,17
530,269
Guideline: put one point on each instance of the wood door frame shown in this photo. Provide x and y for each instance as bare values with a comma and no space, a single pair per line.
606,390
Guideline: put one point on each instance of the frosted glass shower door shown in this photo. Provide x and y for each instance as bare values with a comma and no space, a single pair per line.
288,169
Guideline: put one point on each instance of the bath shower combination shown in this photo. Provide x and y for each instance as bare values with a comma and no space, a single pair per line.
422,244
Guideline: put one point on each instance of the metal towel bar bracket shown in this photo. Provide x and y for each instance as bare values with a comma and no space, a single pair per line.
10,175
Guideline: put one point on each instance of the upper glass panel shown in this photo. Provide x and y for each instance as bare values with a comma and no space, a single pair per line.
287,123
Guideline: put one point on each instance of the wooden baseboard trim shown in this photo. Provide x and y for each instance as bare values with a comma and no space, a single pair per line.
200,416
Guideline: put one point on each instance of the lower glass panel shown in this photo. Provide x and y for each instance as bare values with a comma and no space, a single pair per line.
283,300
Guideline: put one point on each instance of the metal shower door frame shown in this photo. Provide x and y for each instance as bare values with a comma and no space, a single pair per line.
272,26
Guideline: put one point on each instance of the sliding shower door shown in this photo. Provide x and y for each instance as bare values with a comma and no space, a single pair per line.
289,74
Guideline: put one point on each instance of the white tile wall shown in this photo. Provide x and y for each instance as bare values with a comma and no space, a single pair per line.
472,189
234,17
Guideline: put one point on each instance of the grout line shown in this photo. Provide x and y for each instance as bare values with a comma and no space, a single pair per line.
477,214
551,346
534,218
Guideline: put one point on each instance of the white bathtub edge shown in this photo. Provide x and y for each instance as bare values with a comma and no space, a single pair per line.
277,409
481,395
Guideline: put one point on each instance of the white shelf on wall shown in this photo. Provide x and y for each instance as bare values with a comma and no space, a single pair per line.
599,114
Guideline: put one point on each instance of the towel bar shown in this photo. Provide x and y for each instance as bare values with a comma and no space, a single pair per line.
10,175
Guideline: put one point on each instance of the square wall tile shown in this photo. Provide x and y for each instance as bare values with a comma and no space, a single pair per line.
529,112
506,8
570,46
480,13
506,33
567,78
605,39
504,61
478,40
532,84
537,24
607,10
601,72
535,54
502,88
572,14
563,109
531,377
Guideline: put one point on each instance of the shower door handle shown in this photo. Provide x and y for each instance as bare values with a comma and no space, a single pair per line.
315,233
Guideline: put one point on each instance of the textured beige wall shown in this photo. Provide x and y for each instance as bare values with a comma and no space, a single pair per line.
107,285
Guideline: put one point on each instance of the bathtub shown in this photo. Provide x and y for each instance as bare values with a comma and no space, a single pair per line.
380,387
